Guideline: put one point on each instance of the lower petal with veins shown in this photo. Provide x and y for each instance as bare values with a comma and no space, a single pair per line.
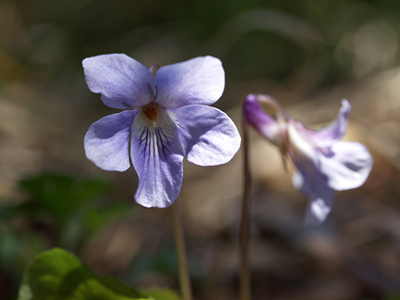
157,158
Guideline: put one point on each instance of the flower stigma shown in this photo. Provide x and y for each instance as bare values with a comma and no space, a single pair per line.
150,111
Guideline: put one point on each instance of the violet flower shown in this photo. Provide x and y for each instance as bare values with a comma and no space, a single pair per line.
323,162
166,116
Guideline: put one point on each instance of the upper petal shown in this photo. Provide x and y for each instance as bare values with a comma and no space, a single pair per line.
107,141
207,135
157,158
200,80
262,122
348,166
122,81
332,133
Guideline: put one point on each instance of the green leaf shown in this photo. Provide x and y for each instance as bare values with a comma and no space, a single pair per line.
58,275
93,290
61,193
161,294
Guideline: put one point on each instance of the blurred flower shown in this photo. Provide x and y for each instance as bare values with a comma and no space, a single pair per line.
323,162
167,115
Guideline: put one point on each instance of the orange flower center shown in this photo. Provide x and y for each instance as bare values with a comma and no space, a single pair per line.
150,111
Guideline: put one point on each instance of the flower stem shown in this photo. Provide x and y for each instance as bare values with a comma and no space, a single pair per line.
184,279
245,286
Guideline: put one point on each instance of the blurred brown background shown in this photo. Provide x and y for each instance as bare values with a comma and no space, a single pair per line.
309,54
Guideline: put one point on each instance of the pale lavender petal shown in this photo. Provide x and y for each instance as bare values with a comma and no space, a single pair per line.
299,182
107,141
262,122
321,197
207,135
157,158
299,146
199,80
319,206
122,81
332,133
348,167
344,165
309,179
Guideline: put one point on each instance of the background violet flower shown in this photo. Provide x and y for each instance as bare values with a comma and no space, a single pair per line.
166,116
323,162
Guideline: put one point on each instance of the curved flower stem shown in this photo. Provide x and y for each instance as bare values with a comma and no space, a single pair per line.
184,279
245,286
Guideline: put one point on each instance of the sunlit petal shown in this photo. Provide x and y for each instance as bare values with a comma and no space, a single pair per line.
122,81
107,141
299,145
299,182
319,206
200,80
348,167
157,158
309,181
332,133
208,136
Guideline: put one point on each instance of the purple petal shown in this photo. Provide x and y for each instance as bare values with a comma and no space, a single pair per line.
344,165
122,81
333,132
319,206
157,158
107,141
299,182
262,122
199,80
348,167
309,179
320,196
300,147
208,136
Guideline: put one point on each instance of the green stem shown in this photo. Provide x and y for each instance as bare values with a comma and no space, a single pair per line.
245,286
184,279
